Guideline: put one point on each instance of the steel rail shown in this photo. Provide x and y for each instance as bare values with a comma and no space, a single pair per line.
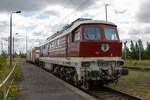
137,68
3,84
108,93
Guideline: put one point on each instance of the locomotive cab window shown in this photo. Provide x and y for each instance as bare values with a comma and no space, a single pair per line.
76,36
92,33
110,34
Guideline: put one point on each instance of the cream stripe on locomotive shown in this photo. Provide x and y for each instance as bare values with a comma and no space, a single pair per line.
76,61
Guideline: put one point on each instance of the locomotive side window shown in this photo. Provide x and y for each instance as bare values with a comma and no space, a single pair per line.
57,43
91,33
68,39
76,36
44,47
110,34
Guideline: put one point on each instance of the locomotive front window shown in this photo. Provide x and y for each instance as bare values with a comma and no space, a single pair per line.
92,33
77,36
110,34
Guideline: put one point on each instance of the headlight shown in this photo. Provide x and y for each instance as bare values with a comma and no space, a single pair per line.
85,64
120,63
105,47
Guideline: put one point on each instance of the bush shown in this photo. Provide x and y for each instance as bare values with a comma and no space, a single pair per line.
22,55
3,62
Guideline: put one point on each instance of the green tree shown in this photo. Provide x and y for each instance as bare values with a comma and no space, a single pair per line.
2,62
4,55
136,51
128,56
132,50
22,55
147,51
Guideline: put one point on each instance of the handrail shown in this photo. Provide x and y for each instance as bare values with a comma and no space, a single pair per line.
5,81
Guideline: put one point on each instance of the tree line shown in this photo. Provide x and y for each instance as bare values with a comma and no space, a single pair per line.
136,50
16,55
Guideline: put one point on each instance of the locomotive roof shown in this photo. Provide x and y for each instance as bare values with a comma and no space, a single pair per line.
69,28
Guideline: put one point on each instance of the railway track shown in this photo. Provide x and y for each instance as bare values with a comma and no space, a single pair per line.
107,93
137,68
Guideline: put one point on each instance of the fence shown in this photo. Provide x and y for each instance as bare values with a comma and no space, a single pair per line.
6,84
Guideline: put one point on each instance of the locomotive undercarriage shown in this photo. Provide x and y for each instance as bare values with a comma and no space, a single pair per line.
92,73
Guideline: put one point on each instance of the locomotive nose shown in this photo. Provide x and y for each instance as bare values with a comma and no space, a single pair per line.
100,49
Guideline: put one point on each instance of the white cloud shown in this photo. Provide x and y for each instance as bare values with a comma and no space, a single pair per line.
41,18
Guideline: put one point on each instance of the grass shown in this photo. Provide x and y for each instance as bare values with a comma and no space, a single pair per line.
4,68
14,90
136,63
21,60
136,83
4,71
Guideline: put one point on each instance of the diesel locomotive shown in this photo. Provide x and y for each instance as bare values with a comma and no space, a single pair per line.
85,53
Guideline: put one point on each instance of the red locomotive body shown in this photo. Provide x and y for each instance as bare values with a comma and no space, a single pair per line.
66,46
90,49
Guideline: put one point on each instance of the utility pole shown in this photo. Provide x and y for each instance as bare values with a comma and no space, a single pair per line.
140,44
14,45
11,37
125,51
26,43
1,47
139,52
10,45
106,11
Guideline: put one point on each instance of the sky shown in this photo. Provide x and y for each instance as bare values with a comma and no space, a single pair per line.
41,18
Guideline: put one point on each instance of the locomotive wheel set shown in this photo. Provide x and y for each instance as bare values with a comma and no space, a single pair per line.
87,52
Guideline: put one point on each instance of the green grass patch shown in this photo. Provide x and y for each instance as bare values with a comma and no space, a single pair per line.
14,89
4,71
136,83
136,63
4,68
21,60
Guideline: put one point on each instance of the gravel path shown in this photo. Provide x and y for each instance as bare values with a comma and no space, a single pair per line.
37,85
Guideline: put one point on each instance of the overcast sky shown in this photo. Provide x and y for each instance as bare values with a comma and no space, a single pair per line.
41,18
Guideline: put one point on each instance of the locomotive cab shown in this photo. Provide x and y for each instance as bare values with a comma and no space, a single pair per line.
94,40
100,46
